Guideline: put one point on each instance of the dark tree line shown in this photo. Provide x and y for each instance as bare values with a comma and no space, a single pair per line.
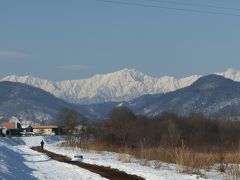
124,128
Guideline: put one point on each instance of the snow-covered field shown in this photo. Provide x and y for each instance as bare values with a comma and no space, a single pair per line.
18,161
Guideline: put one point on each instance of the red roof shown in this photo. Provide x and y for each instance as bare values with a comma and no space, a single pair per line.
9,125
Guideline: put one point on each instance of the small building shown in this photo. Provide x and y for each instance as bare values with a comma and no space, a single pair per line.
45,130
11,125
29,129
10,129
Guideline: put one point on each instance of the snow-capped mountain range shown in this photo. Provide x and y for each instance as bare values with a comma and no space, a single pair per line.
122,85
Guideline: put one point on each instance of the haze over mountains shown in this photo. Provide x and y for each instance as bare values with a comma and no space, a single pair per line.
122,85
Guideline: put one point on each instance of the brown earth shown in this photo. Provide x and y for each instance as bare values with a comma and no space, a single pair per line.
107,172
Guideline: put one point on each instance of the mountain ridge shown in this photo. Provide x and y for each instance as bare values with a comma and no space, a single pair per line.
210,95
30,104
118,86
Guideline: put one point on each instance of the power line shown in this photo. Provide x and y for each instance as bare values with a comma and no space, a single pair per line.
169,8
194,4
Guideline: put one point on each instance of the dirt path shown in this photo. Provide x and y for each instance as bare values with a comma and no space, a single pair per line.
106,172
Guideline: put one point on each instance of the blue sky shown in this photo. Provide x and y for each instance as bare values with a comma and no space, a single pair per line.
59,39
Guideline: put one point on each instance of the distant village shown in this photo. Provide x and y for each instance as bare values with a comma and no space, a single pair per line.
13,127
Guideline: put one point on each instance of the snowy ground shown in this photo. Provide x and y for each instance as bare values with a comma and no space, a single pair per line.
18,161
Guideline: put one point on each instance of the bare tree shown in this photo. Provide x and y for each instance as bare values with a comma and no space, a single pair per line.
120,125
71,123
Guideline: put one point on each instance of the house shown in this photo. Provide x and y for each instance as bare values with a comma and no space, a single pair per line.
11,125
45,130
29,129
11,128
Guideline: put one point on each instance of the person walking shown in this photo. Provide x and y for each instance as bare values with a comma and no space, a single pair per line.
42,144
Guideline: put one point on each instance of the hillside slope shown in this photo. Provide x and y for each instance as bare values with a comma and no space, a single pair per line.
29,103
210,95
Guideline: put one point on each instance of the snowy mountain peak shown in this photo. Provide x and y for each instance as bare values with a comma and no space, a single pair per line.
127,74
231,74
33,81
116,86
231,70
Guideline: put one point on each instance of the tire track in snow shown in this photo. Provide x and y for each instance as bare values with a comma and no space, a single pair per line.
107,172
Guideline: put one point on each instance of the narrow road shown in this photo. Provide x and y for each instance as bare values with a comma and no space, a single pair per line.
107,172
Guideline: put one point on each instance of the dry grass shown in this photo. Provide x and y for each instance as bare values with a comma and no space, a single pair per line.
187,160
233,171
229,162
191,162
